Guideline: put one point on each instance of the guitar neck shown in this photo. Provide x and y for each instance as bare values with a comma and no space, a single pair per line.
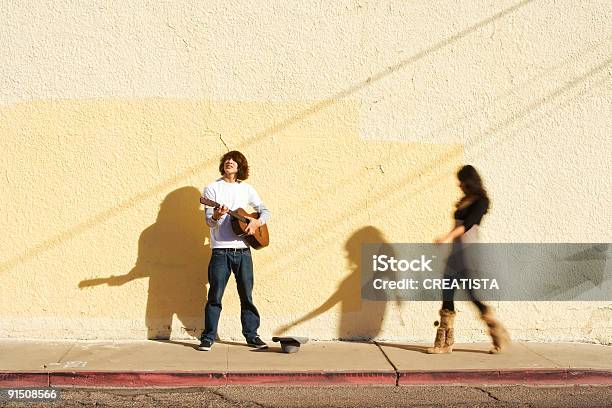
230,212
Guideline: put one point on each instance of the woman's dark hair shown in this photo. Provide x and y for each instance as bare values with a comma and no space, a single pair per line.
471,184
243,164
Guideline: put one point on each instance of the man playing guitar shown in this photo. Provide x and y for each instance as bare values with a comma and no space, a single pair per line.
231,252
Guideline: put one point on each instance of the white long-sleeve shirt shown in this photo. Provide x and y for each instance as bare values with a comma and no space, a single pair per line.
233,195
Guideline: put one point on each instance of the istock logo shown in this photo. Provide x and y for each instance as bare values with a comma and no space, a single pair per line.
384,263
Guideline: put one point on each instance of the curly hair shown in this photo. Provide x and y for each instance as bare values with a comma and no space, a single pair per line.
243,164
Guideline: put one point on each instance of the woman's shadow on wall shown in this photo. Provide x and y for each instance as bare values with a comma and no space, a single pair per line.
360,319
172,253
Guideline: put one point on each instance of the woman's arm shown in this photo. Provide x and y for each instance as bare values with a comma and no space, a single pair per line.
475,213
450,237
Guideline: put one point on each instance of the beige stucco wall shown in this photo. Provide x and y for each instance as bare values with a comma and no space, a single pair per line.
354,116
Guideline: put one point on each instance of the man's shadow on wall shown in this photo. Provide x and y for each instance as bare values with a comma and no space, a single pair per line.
359,319
173,255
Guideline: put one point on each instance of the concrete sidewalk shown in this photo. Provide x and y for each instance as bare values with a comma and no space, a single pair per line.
178,364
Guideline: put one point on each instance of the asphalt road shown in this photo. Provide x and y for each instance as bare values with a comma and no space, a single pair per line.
415,396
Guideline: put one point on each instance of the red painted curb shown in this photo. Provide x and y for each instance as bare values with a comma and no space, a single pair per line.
589,376
132,379
24,379
507,377
144,379
312,378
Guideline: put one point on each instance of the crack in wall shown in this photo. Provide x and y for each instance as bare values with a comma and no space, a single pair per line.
223,141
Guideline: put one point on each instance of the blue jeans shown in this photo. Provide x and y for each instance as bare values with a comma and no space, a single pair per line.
222,263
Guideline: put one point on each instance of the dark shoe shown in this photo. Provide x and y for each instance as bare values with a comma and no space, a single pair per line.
257,343
205,345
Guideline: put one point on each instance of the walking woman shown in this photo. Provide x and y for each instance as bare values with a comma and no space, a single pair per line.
469,212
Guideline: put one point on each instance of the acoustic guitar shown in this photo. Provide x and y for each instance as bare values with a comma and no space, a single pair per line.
240,220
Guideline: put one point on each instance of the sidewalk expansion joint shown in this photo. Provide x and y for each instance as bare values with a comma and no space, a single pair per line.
397,375
522,344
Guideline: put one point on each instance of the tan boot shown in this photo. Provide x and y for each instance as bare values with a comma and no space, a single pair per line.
445,335
499,335
450,335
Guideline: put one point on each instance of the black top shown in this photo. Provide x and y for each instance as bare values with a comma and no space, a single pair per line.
472,214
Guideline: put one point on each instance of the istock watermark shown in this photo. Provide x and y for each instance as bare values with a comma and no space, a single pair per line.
436,283
534,272
383,263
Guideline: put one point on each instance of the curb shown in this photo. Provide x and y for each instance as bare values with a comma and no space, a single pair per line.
560,376
178,379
